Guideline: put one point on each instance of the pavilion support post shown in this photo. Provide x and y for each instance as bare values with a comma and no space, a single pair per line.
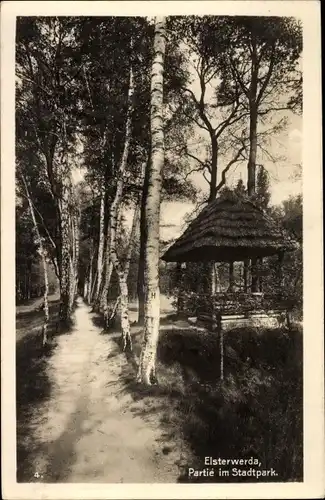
222,354
213,278
246,275
280,271
179,280
260,279
254,285
216,270
216,315
213,296
231,277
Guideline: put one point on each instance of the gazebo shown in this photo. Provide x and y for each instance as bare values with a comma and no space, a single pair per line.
231,229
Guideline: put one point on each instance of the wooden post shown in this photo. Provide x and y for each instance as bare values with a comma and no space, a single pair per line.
254,285
213,296
260,281
213,278
245,275
216,316
221,353
179,275
231,277
280,271
217,278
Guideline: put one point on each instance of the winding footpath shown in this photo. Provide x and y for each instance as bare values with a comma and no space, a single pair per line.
88,430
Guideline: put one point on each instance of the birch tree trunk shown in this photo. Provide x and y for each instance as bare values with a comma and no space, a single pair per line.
90,277
108,274
72,278
86,285
77,249
44,264
123,273
147,364
65,266
115,206
100,255
143,240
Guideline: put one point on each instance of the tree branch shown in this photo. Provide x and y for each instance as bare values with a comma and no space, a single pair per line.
228,121
226,169
267,77
238,77
198,169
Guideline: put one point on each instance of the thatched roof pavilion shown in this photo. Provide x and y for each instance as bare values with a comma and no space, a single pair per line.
231,228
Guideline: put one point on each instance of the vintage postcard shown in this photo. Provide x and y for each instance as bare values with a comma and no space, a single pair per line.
161,250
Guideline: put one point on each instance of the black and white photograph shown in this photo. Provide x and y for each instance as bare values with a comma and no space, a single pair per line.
159,249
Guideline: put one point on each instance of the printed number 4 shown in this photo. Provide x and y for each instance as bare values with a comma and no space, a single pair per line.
37,475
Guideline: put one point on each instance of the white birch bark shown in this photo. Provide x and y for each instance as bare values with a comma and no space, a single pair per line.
147,364
90,277
65,261
44,264
115,206
72,276
77,249
100,255
123,273
85,290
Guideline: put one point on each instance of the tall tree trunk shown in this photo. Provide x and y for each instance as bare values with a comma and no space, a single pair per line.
143,240
214,167
65,236
65,268
44,264
253,115
72,278
100,254
77,250
90,276
123,273
251,166
115,206
107,275
147,364
124,309
251,178
86,285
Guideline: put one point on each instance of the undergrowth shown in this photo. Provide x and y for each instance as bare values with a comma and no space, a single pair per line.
256,411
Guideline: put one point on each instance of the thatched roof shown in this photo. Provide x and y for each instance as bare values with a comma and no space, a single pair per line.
231,228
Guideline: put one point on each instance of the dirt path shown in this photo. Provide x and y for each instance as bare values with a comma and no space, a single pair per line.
88,430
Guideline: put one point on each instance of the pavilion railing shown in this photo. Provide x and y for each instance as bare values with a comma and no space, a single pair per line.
197,304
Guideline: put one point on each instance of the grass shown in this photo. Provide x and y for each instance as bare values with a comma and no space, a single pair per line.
256,411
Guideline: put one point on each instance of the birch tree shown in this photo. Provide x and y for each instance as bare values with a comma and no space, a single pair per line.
43,258
116,204
147,362
47,91
100,255
122,271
